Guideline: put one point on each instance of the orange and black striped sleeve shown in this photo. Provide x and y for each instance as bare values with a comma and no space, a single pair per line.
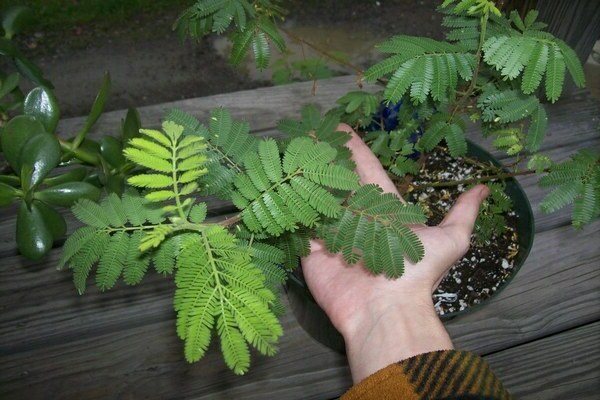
447,374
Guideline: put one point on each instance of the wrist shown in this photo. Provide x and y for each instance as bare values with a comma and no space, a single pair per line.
393,333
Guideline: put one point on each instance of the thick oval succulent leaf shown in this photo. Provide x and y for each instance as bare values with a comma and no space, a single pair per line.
7,194
68,193
34,239
15,19
130,127
41,104
11,180
54,221
97,107
112,151
40,155
10,83
14,136
74,175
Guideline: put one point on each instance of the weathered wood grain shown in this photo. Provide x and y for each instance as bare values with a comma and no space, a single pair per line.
261,108
563,366
556,290
218,206
122,344
147,362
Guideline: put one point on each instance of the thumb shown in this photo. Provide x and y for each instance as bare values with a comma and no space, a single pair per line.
460,220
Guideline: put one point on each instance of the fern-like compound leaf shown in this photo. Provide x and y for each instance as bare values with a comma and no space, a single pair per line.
90,213
535,68
417,63
577,181
219,289
136,264
262,52
373,229
457,144
83,260
228,142
586,205
555,74
533,54
111,240
281,193
316,127
112,261
561,196
75,242
178,168
537,128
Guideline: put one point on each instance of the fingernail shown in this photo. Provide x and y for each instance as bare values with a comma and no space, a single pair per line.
483,192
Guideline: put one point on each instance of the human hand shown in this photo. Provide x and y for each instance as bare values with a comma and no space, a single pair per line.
385,320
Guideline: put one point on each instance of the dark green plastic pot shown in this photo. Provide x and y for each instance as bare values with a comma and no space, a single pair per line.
316,323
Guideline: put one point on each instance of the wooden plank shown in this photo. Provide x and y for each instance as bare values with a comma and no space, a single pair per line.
562,366
571,120
147,362
262,108
19,277
149,355
123,342
217,206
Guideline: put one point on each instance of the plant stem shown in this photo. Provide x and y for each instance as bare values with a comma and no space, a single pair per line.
327,54
175,180
484,20
474,180
231,221
79,153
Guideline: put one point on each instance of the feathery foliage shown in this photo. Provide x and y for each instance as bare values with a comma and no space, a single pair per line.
532,53
228,274
452,132
218,288
282,193
422,67
227,142
253,25
577,181
176,162
491,219
111,238
373,229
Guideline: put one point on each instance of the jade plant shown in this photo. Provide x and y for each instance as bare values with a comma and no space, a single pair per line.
228,272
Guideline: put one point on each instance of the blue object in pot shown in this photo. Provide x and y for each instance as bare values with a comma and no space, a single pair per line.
389,116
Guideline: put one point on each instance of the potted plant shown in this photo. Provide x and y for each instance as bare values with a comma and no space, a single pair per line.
228,273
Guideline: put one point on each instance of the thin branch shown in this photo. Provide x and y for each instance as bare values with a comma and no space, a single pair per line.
329,55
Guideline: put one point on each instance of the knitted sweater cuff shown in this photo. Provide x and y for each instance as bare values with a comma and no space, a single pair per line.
446,374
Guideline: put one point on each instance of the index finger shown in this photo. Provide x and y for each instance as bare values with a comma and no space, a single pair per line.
368,167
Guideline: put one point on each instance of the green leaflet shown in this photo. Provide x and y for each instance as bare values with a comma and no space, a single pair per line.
418,63
227,144
452,132
577,181
253,26
179,161
372,228
278,195
317,127
111,239
533,54
218,287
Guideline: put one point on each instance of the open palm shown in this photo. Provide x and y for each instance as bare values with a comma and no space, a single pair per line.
348,293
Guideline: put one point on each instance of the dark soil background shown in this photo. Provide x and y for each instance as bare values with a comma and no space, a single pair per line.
150,65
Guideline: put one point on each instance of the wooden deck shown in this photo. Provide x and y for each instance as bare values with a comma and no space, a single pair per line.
541,335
